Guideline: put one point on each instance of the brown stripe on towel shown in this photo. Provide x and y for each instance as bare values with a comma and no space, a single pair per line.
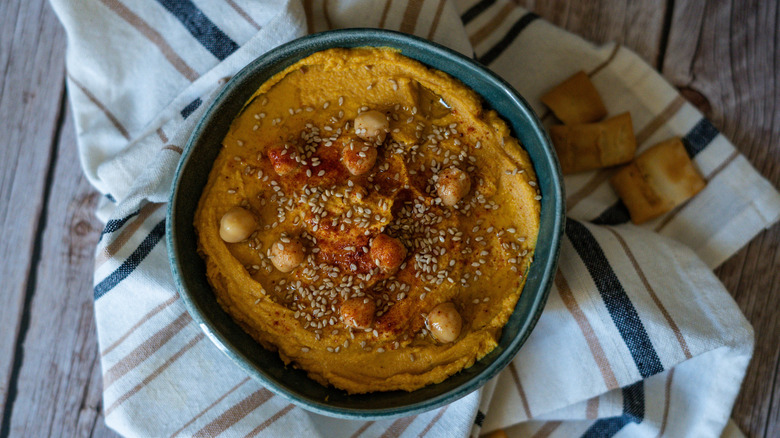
140,322
651,292
606,62
433,422
243,14
269,421
707,178
234,414
587,331
492,24
398,427
436,18
604,174
114,121
112,248
174,148
383,18
153,36
546,430
146,349
411,14
200,414
520,391
362,429
660,119
668,392
161,134
154,374
592,408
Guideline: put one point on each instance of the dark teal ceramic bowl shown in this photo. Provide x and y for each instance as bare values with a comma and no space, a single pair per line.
189,270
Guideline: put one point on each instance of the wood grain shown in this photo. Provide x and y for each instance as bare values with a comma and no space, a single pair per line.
59,388
31,61
637,25
729,71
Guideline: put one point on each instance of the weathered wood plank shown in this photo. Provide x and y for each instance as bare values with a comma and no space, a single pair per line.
723,57
636,25
59,384
31,86
752,277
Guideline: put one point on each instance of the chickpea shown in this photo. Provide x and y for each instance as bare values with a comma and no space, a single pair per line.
453,184
287,254
445,322
372,125
387,252
358,312
236,225
359,159
284,159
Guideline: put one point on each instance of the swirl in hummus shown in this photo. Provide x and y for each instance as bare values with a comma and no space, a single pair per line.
369,220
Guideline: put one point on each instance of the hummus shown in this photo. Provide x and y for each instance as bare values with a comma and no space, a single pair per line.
357,234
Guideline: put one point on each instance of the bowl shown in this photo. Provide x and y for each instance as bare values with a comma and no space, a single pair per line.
189,270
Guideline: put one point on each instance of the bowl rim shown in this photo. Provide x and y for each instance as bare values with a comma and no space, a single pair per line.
300,48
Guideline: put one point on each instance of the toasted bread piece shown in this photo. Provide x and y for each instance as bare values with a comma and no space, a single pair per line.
594,145
576,100
660,179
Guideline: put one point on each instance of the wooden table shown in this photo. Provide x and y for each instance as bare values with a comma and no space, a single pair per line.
722,56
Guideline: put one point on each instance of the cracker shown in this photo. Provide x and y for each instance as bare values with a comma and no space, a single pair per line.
660,179
576,100
594,145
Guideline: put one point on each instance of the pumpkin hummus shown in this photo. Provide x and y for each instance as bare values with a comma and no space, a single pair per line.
369,220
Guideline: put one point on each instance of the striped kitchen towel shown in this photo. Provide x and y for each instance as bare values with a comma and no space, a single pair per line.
638,337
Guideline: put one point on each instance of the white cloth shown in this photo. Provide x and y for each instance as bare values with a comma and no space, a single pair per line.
638,337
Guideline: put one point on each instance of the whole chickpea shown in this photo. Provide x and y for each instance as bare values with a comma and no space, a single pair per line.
358,312
359,159
387,252
445,322
236,225
452,185
372,125
287,254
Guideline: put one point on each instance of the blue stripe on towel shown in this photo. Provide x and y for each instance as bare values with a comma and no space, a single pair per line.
191,107
115,224
201,27
474,11
619,305
131,262
698,138
479,418
615,215
633,412
507,40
